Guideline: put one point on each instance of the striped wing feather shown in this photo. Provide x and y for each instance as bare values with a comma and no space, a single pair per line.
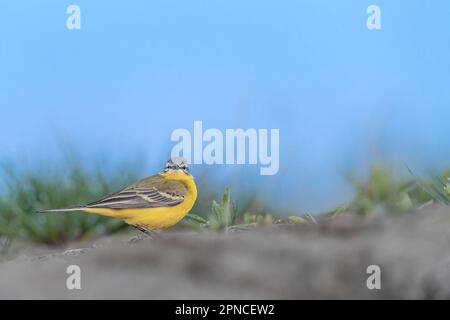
152,192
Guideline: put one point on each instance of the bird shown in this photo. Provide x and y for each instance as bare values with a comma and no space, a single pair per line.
156,202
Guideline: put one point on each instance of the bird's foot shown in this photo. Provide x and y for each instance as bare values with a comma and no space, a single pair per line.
136,239
145,234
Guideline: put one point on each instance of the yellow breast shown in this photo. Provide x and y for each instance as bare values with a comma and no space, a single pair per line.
157,218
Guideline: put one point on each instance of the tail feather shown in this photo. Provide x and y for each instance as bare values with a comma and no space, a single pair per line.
62,210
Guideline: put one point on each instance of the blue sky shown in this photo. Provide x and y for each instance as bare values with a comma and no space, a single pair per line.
340,94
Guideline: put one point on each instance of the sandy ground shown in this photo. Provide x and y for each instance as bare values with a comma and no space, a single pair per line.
328,260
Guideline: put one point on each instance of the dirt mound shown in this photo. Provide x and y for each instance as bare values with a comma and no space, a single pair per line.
328,260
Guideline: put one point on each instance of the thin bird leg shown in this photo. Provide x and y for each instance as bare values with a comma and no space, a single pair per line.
149,233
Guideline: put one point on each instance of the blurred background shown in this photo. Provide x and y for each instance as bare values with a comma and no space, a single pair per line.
104,100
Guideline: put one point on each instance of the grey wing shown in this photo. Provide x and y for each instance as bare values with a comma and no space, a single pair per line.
138,197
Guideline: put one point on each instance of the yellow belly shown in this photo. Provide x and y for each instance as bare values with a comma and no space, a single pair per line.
151,218
154,218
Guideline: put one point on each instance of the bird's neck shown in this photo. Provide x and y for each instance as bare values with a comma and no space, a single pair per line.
177,175
186,179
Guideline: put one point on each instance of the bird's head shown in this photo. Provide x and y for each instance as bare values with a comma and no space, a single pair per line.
177,164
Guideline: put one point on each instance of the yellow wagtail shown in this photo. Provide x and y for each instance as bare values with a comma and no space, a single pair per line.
156,202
